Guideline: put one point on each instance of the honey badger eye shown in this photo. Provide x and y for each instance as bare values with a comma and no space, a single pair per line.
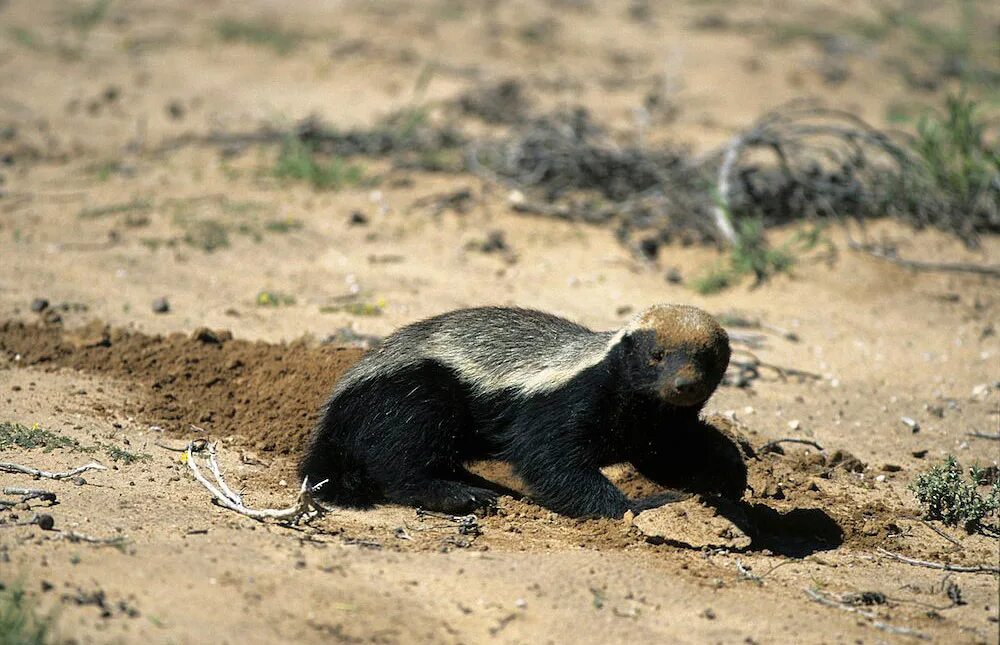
657,355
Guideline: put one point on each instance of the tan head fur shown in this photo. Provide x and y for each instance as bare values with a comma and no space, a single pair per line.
680,326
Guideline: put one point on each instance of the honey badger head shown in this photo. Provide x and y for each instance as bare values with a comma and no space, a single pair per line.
676,352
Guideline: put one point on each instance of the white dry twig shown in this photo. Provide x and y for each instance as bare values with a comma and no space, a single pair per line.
306,507
870,615
34,472
721,210
977,568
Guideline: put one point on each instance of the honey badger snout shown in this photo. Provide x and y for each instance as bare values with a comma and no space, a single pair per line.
686,385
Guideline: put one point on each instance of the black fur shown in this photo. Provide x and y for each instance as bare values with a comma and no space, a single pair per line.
403,432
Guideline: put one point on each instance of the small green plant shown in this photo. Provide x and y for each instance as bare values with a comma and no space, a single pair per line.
26,38
751,254
207,235
298,161
259,32
948,497
16,435
20,622
359,308
717,279
954,151
286,225
126,457
274,299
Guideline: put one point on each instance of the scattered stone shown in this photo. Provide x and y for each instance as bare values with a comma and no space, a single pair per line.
891,468
496,242
503,102
674,276
649,248
211,337
161,306
866,598
39,305
45,521
175,109
910,423
358,219
981,391
919,454
847,461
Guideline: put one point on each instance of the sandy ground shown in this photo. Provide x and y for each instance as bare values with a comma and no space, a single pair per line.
87,106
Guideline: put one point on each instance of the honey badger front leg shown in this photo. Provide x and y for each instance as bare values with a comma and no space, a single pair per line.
691,455
570,487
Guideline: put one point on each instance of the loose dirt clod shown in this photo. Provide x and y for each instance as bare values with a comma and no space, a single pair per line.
692,523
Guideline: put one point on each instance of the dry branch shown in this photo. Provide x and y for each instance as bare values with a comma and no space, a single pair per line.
771,444
306,507
75,537
26,495
976,568
34,472
918,265
871,616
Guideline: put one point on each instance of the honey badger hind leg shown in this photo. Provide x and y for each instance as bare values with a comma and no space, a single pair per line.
445,496
401,438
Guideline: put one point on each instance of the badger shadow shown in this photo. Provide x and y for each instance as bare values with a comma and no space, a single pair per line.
795,533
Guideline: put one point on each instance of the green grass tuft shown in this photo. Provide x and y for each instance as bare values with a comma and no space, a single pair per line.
298,161
953,147
717,279
948,497
20,622
286,225
752,255
259,32
207,235
134,206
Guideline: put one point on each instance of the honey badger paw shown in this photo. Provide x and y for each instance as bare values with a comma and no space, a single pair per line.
453,498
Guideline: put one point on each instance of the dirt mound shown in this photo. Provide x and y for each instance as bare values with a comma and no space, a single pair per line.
269,394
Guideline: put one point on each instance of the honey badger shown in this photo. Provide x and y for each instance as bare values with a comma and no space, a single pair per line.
551,397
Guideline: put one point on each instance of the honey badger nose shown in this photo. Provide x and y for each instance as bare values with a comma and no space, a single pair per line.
685,384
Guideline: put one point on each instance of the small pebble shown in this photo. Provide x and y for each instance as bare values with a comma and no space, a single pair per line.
794,424
176,110
358,219
161,306
39,305
910,423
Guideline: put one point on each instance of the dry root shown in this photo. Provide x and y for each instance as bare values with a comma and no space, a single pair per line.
305,509
34,472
